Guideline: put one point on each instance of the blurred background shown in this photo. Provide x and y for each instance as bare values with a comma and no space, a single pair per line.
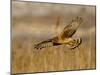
36,21
39,19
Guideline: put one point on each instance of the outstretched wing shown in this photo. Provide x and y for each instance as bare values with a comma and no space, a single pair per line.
43,44
47,43
70,29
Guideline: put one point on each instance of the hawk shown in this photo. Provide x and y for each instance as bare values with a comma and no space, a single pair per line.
65,37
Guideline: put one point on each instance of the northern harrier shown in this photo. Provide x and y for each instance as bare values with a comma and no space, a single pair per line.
65,37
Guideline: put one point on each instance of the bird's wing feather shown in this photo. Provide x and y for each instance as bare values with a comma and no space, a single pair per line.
47,43
70,29
68,32
43,44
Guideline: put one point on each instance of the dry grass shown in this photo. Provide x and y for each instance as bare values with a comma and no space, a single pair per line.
26,60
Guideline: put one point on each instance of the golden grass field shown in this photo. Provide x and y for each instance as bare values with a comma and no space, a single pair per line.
27,60
29,27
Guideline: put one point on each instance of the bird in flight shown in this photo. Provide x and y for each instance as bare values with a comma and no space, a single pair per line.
65,37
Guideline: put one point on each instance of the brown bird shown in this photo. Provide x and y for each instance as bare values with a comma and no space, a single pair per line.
65,37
